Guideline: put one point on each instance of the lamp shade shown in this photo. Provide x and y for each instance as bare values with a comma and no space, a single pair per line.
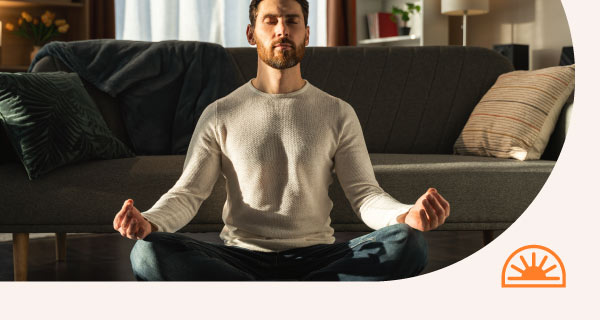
459,7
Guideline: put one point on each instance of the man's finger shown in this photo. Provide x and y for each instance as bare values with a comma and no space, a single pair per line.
118,222
444,203
139,233
121,215
126,230
432,208
130,217
439,210
123,219
142,229
126,205
115,225
132,229
430,213
126,220
424,221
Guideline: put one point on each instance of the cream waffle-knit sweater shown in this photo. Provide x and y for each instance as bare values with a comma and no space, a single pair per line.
278,153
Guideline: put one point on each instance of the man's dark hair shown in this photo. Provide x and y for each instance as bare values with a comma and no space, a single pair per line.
254,10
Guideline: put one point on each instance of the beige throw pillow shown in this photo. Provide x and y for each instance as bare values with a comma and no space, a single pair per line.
517,115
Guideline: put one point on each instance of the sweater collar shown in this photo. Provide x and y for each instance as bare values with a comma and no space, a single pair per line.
279,95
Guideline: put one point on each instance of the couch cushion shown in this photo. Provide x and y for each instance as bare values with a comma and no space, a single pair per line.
83,197
484,193
51,121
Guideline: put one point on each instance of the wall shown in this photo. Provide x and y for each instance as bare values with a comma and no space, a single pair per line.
542,24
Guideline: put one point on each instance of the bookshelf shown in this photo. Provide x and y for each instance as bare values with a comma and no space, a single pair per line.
428,28
405,39
15,51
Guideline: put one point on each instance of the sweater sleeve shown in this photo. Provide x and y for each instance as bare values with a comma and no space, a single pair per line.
352,165
201,168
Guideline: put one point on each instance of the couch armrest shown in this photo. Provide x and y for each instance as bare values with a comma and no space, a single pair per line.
557,138
49,64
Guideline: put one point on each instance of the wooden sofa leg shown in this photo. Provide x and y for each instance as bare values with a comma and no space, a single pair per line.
20,250
488,236
61,246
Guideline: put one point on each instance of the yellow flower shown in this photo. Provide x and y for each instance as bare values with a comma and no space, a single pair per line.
36,21
9,26
26,16
60,22
47,18
20,21
64,28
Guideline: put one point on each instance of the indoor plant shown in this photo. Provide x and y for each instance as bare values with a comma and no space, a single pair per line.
39,30
411,8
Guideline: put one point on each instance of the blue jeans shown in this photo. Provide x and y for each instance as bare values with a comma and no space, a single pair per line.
394,252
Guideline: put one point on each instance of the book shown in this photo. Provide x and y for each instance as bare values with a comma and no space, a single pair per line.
380,25
371,25
386,27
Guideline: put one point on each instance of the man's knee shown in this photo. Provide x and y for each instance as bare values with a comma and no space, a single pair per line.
163,257
143,260
148,256
410,243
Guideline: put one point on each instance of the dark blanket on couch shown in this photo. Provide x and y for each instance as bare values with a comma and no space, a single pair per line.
162,87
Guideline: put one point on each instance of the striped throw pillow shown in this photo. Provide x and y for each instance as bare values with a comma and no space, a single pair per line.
517,115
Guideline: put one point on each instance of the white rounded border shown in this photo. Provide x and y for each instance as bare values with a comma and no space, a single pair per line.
563,217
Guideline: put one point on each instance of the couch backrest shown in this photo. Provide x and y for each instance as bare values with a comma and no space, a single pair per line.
412,100
408,99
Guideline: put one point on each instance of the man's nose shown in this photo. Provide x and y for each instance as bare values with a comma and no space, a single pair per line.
282,29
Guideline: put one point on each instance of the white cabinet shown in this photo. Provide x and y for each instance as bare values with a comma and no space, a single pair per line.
428,27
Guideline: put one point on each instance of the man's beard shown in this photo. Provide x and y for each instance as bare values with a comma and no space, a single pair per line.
284,58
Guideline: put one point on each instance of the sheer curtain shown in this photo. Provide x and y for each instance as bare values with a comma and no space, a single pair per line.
218,21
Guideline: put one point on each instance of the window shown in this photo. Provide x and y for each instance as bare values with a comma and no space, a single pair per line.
218,21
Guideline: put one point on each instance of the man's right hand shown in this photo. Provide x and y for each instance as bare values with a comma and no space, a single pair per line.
429,212
130,222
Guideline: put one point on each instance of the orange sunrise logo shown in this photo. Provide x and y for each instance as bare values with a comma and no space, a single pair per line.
522,270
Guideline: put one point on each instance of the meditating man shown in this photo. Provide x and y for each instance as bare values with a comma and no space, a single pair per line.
278,140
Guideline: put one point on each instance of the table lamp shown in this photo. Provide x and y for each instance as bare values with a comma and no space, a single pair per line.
465,8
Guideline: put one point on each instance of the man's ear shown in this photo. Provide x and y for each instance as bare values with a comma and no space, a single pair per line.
250,35
307,36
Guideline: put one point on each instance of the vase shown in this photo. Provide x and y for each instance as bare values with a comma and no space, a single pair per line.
34,52
404,31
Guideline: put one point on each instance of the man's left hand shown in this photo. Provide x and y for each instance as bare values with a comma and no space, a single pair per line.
429,212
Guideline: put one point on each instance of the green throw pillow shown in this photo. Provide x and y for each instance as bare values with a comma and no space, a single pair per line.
51,121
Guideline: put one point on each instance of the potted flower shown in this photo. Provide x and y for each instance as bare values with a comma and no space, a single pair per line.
38,30
404,15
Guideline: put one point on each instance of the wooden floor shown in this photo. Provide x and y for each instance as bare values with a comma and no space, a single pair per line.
105,257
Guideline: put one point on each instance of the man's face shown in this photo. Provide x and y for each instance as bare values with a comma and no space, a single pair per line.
280,34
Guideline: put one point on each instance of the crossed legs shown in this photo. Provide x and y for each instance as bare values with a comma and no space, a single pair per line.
394,252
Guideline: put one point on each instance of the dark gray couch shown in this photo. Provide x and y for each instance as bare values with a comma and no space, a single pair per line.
412,103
